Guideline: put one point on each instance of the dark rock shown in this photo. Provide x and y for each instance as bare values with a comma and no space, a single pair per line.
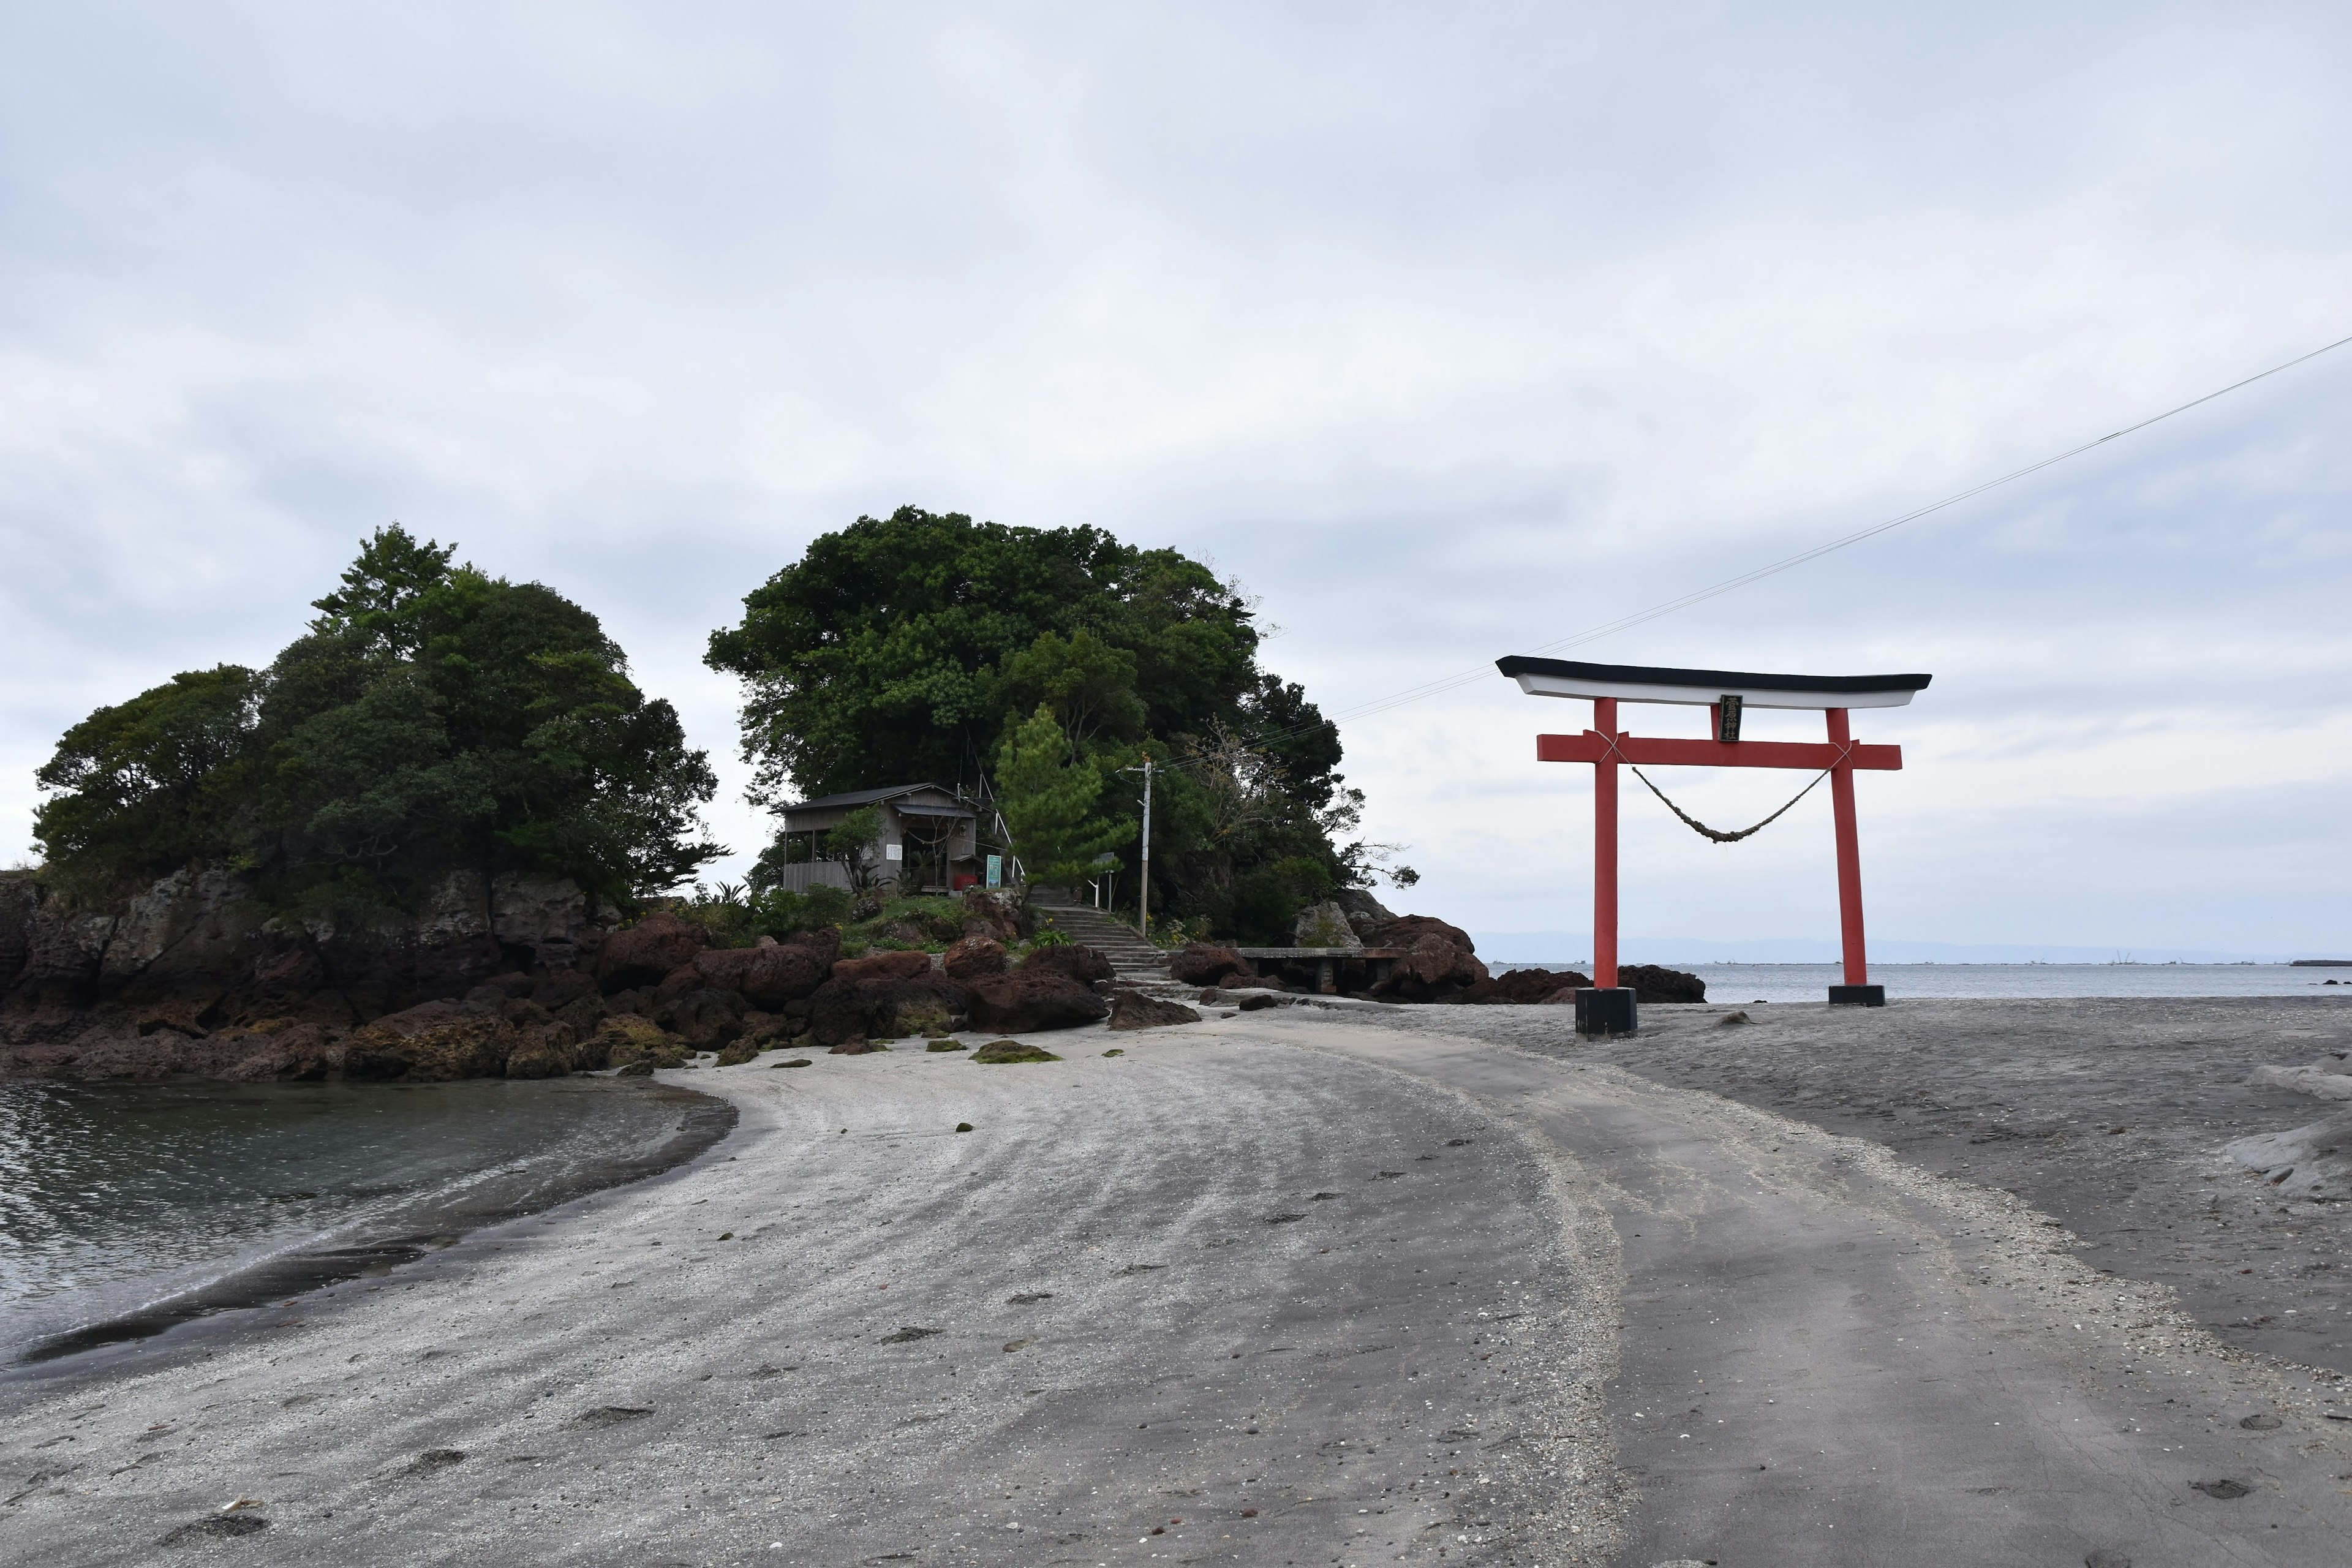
856,1048
561,988
431,1043
1074,960
642,1068
546,1050
1030,1000
1134,1010
963,1126
1258,1002
908,1335
1440,959
796,1062
1653,982
883,966
974,958
824,942
767,977
737,1054
943,1046
613,1414
2226,1489
1200,963
847,1008
645,952
705,1018
1523,987
433,1460
997,913
216,1527
1362,908
625,1039
997,1052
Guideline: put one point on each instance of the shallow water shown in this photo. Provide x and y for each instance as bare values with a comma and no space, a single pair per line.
116,1197
1811,982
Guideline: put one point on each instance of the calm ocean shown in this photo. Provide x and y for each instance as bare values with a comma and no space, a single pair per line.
117,1200
1811,982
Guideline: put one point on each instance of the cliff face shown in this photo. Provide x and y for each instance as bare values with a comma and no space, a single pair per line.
195,970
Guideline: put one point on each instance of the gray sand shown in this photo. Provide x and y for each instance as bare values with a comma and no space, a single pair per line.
1592,1319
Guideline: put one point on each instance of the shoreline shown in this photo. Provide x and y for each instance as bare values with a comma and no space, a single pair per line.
1309,1279
302,1267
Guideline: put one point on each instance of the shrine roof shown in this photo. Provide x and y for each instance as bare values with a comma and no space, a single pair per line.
1648,683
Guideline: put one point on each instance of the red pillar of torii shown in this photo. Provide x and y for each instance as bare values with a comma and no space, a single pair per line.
1607,1007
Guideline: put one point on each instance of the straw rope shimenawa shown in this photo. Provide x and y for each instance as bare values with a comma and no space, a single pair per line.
1722,837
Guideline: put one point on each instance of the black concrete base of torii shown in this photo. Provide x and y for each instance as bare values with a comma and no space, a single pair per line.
1606,1012
1857,996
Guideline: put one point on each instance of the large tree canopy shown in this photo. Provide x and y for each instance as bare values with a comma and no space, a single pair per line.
914,647
433,719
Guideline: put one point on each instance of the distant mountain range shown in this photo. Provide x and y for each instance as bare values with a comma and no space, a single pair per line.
1576,947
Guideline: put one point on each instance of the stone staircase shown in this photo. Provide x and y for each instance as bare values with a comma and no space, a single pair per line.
1134,961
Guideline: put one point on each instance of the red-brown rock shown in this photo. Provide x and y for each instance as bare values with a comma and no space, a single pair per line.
1134,1010
1201,963
825,941
1524,987
767,977
431,1042
1655,983
648,950
1074,960
1030,999
884,966
884,1009
974,958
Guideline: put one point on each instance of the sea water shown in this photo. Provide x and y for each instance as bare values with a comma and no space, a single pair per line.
116,1199
1811,982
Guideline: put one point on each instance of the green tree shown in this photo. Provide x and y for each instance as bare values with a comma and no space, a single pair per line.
146,785
1051,804
852,840
433,719
879,656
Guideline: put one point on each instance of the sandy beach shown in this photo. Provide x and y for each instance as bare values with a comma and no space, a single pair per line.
1307,1286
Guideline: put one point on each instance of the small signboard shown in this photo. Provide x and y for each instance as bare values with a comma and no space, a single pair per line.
1727,717
996,870
893,852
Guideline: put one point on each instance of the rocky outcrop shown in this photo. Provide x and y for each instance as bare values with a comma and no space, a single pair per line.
647,952
431,1043
1134,1010
884,966
1324,925
1034,998
1654,983
1440,959
1073,960
996,913
1524,987
974,958
886,1007
1362,910
767,976
1200,963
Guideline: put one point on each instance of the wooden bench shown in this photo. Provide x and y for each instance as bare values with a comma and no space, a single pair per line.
1327,961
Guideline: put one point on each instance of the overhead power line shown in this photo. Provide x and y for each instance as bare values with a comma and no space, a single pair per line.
1455,681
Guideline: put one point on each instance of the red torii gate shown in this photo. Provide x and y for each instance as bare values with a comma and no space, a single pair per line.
1608,1008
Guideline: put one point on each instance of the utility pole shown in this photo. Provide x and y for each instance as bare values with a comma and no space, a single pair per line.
1143,898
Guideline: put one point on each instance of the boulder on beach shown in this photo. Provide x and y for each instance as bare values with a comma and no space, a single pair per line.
1134,1010
997,1052
1655,983
705,1017
1073,960
996,913
624,1039
883,966
887,1008
647,953
825,941
766,976
1032,999
975,958
1203,963
545,1051
431,1043
1440,959
2313,1161
1524,987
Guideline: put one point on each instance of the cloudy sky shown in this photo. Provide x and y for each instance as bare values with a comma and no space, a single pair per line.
1449,330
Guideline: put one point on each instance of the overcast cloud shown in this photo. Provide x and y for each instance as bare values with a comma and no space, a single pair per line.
1448,330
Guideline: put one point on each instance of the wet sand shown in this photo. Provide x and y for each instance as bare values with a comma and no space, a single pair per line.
2023,1096
1309,1286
